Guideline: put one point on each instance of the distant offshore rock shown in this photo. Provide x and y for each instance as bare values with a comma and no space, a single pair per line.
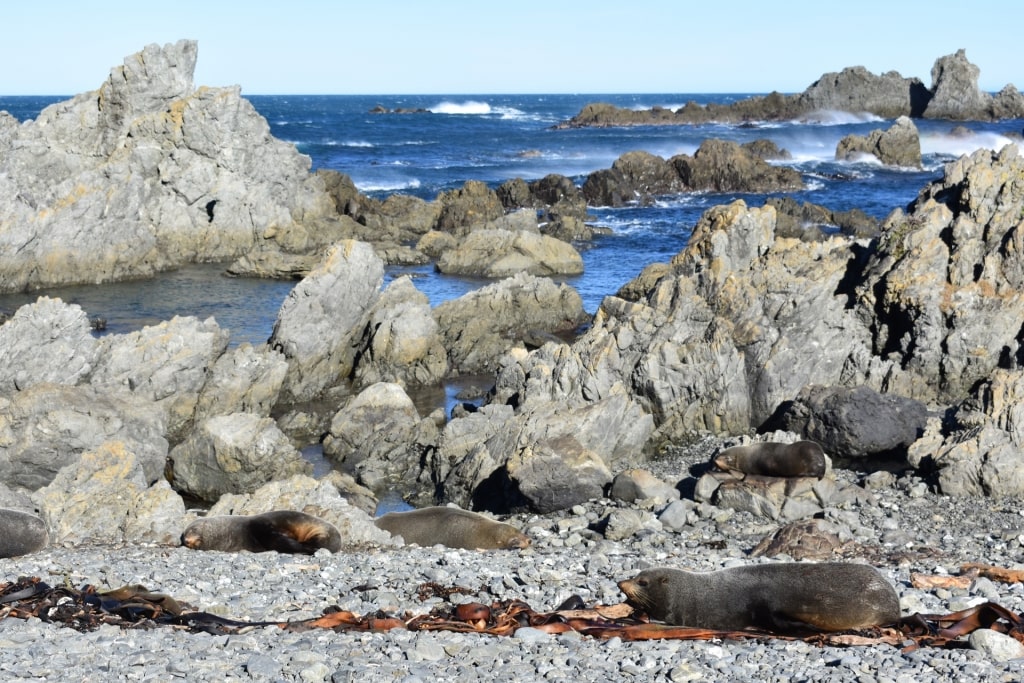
381,109
954,95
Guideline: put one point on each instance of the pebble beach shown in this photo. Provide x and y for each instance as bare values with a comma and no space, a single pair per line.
899,526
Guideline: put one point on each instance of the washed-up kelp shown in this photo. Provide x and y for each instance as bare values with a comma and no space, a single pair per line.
134,606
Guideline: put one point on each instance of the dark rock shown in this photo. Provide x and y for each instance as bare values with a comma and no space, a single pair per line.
900,145
954,94
725,166
853,423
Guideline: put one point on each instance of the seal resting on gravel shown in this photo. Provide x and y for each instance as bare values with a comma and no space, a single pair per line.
791,598
21,533
771,459
286,531
452,527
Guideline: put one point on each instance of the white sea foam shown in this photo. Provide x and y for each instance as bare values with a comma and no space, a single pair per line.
388,187
352,143
958,145
467,107
829,117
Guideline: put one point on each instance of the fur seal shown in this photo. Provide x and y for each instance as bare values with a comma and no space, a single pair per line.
21,533
785,598
452,527
286,531
770,459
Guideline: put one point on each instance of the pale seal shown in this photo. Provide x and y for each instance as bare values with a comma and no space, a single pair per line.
452,527
785,598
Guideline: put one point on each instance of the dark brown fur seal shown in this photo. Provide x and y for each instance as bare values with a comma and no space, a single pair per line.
770,459
785,598
452,527
21,533
286,531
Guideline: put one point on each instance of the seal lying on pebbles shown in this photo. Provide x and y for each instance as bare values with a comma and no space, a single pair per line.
286,531
785,598
770,459
452,527
21,533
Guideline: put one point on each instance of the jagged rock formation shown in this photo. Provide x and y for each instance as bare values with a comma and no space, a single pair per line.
144,174
900,145
954,95
742,320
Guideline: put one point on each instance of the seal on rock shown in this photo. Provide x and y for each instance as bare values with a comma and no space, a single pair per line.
790,598
21,533
771,459
452,527
286,531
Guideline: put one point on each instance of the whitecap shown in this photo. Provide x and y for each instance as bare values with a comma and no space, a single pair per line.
829,117
352,143
957,145
467,107
514,114
388,187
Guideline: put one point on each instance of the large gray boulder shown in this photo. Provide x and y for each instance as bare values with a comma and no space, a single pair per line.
854,422
167,364
246,379
234,453
380,438
503,253
105,497
900,145
144,174
543,456
321,321
478,327
955,91
402,342
47,341
857,90
49,426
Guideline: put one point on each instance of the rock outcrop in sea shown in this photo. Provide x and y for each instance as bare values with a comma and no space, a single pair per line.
954,94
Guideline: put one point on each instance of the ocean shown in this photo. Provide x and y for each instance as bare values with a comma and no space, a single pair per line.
494,138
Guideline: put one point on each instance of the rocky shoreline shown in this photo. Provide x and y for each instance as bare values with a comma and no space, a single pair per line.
896,346
899,527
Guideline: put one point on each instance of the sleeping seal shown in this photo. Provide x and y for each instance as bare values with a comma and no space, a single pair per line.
785,598
770,459
286,531
452,527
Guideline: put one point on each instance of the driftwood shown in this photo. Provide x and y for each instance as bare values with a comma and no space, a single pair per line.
136,607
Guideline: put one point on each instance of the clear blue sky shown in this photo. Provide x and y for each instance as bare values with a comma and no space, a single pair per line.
64,47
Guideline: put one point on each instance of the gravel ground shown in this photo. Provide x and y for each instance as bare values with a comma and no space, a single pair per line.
902,527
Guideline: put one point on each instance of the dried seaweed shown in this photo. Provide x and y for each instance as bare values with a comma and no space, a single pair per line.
134,606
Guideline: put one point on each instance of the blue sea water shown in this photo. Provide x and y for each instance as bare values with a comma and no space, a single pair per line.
498,137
